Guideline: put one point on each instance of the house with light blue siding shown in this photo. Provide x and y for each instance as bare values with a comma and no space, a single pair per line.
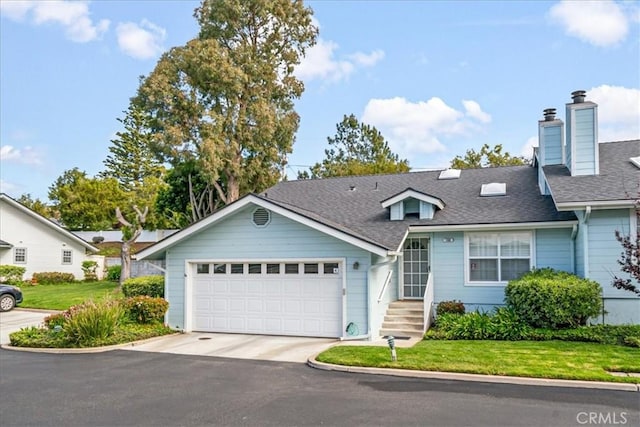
368,256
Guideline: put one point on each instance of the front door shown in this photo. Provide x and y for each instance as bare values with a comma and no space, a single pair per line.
416,267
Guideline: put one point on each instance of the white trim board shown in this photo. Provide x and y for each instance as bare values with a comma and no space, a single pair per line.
258,201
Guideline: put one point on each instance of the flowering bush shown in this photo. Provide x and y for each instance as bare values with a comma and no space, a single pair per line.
146,309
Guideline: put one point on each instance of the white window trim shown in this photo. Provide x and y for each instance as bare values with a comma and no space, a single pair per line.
532,256
70,257
26,253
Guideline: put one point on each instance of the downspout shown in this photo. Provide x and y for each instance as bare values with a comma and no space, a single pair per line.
574,234
369,271
587,215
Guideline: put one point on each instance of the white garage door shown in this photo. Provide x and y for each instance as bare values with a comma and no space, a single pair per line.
273,298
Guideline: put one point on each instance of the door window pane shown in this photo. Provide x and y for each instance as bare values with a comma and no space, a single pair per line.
237,268
255,268
291,268
273,268
202,268
311,269
219,268
330,268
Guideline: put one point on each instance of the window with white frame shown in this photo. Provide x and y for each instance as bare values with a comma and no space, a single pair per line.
67,256
497,257
19,255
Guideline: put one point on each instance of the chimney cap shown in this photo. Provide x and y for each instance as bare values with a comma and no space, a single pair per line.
578,96
549,114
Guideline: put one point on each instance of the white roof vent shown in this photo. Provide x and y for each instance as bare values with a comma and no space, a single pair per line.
635,161
493,189
450,174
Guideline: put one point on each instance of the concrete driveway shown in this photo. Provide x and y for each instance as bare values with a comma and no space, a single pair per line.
14,320
239,346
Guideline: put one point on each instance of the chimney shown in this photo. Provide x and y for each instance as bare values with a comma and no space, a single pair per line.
550,144
581,150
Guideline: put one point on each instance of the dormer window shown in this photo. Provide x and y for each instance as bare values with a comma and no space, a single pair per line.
493,189
412,204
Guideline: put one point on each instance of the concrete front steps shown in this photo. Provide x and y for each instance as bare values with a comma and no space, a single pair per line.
404,319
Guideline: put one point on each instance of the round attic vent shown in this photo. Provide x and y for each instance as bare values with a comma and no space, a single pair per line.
261,217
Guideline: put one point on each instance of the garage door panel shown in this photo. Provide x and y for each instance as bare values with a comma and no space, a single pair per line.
276,304
255,306
273,306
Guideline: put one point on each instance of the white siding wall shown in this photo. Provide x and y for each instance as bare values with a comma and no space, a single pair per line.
237,238
44,244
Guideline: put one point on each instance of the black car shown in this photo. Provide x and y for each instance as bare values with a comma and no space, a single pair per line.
10,296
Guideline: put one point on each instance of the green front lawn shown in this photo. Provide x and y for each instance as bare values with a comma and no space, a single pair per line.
538,359
64,295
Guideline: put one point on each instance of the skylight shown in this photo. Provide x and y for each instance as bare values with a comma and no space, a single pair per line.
493,189
635,161
450,174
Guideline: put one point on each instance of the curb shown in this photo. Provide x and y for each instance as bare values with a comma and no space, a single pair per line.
496,379
84,350
38,310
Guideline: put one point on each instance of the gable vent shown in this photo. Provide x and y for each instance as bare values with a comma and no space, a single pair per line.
450,174
635,161
261,217
493,189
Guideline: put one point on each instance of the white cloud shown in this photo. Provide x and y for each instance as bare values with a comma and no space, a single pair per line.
15,10
417,127
73,16
618,112
320,61
142,41
7,187
601,23
474,111
367,60
27,156
527,148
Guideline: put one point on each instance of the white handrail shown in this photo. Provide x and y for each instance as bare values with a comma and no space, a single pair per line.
428,303
384,286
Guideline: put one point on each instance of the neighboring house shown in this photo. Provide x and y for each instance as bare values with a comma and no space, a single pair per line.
333,257
32,241
110,243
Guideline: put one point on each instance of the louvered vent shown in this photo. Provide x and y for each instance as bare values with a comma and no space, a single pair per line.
261,217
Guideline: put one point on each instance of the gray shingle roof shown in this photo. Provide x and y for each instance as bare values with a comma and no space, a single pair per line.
619,179
353,204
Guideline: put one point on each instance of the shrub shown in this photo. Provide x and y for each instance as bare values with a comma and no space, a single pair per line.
11,274
91,321
553,299
56,319
152,286
146,309
455,307
503,324
53,277
89,270
632,341
33,336
113,273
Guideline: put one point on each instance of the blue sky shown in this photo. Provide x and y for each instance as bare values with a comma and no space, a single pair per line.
436,78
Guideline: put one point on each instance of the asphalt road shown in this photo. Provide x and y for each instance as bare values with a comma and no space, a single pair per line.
155,389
